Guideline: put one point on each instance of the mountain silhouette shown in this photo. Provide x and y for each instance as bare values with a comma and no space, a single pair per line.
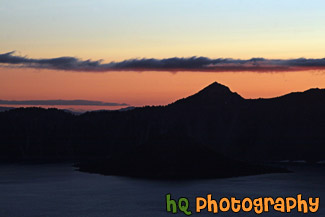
213,130
213,95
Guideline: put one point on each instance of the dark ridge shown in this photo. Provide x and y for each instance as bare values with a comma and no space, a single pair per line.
215,130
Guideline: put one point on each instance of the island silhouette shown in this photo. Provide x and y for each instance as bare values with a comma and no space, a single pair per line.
213,133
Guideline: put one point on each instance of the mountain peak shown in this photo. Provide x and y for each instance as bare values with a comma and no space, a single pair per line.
216,87
217,91
213,94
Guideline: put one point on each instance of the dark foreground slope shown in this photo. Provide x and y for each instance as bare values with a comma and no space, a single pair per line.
213,127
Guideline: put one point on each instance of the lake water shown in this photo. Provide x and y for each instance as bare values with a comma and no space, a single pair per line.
57,190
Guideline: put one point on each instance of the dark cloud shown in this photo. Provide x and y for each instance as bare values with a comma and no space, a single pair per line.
170,64
60,102
62,63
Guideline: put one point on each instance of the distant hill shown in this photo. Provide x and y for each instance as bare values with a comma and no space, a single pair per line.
215,120
74,111
2,109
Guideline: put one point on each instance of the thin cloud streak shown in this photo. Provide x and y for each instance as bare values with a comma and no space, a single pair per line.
174,64
60,103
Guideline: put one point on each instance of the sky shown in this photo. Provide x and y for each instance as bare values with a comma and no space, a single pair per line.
41,32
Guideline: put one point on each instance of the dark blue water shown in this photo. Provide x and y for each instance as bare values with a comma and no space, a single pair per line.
60,191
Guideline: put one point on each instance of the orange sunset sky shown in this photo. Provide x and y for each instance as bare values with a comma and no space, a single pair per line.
114,31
